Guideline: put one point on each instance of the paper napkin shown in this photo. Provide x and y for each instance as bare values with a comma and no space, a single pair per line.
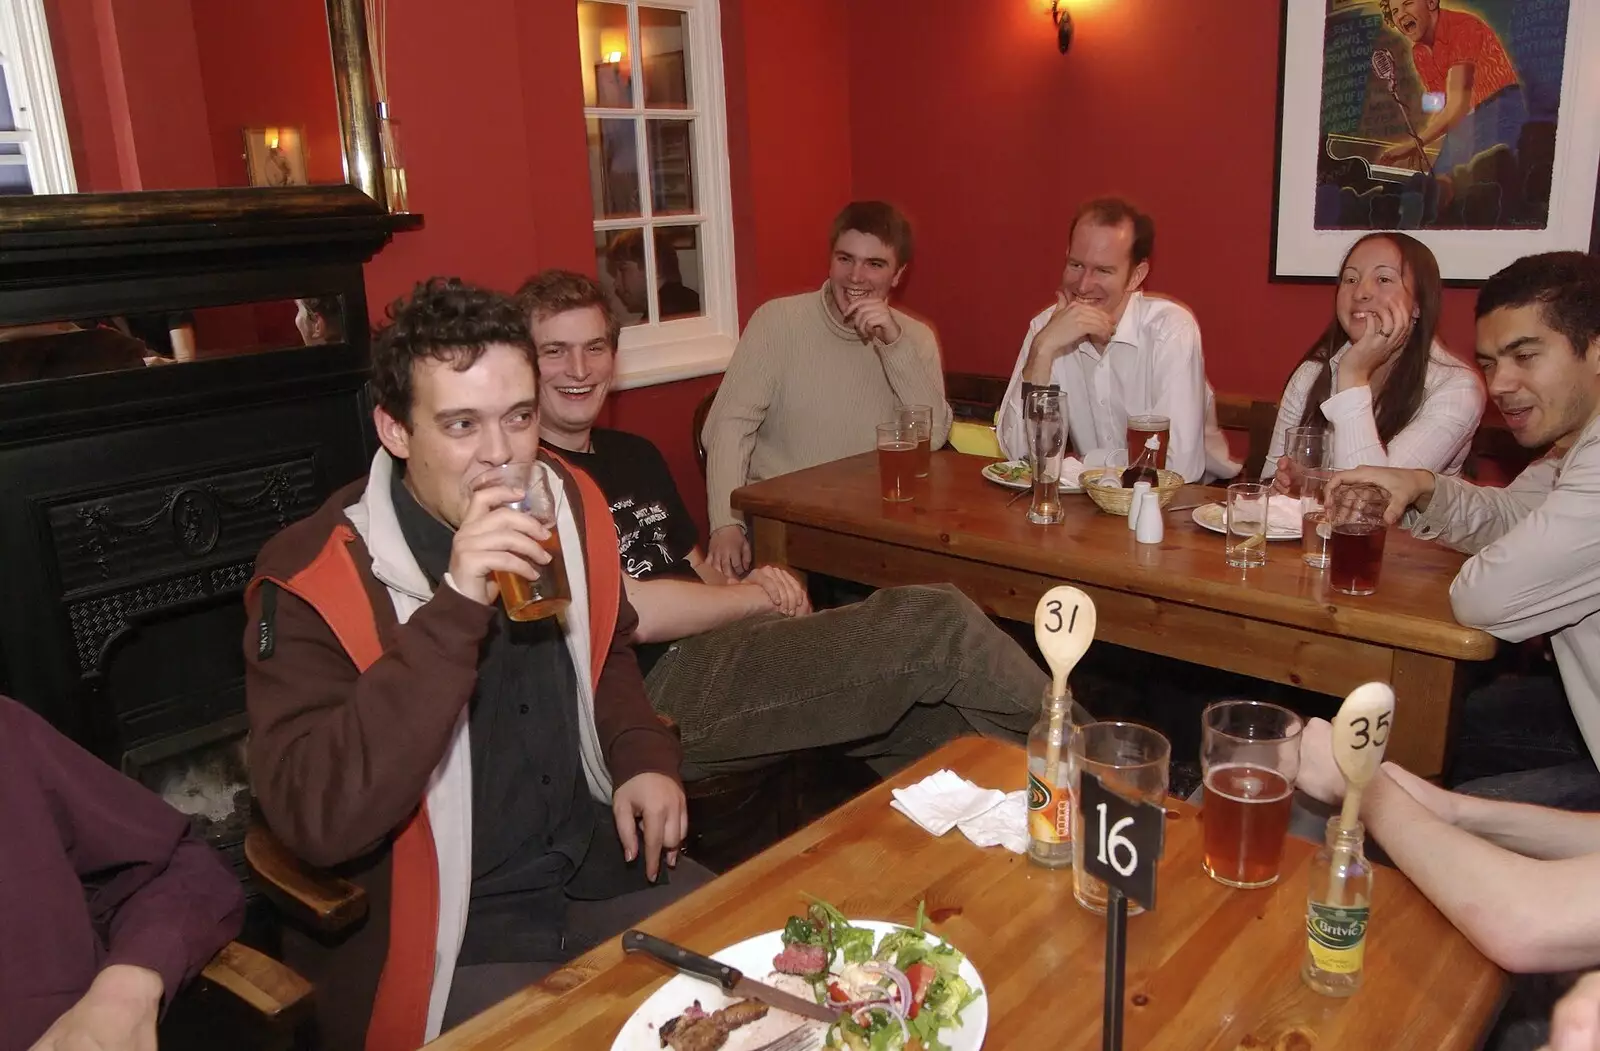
944,800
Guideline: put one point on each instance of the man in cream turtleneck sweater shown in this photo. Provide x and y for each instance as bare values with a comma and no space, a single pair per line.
815,373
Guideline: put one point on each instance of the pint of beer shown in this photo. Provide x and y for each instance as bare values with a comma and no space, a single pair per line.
1250,755
545,592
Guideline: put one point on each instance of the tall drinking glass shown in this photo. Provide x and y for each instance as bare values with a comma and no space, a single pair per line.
1046,423
548,593
1308,449
1130,760
897,460
921,417
1249,756
1355,545
1314,528
1246,513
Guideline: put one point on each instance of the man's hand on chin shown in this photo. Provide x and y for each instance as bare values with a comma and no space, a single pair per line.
118,1013
655,802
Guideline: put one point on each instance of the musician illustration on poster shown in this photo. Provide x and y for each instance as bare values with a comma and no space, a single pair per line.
1439,114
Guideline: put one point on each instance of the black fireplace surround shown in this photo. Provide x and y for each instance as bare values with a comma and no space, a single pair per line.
133,502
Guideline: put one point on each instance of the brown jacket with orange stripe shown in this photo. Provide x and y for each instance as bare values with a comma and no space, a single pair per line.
357,685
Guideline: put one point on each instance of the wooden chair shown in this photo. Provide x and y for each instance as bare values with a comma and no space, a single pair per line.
1235,412
1495,457
698,422
259,1002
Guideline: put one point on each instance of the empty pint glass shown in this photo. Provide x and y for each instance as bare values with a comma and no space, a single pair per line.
1046,424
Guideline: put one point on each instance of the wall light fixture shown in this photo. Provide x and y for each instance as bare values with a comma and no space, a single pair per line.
1063,20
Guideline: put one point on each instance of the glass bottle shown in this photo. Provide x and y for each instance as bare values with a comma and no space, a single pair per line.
1050,796
1144,468
1336,912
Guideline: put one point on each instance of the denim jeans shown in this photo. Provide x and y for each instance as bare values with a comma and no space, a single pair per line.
1518,742
894,676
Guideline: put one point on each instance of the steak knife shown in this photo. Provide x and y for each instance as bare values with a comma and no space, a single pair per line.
731,980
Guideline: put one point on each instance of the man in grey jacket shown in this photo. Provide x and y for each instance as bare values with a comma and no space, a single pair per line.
1535,545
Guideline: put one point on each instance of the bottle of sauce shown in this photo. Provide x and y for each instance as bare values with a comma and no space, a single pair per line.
1144,468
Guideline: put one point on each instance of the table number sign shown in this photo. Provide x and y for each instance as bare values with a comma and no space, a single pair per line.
1122,846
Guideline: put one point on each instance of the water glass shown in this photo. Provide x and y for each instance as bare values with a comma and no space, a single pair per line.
1246,514
1130,760
1249,757
1308,449
1046,423
897,460
1355,544
1314,528
920,417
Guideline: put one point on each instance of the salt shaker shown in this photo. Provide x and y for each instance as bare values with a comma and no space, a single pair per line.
1137,503
1152,528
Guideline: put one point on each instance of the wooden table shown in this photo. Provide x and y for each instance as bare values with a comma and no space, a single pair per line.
1279,622
1208,969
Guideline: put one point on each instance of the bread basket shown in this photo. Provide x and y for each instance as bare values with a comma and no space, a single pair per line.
1119,501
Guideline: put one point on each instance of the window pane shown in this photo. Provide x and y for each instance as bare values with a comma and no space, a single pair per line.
613,167
14,180
603,47
10,149
8,119
671,149
619,255
680,280
664,39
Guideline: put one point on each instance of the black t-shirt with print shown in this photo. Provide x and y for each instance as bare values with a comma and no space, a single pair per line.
654,531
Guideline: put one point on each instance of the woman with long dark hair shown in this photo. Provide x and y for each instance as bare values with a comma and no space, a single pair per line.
1389,393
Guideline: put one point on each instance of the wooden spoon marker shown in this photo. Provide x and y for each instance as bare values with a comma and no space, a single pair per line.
1360,734
1063,625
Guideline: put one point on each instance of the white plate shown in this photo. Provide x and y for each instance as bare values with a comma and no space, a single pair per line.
1211,516
991,472
754,956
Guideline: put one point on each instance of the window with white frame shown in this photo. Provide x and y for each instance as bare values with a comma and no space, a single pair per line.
658,180
34,155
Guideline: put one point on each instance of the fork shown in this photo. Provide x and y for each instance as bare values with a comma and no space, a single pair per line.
804,1038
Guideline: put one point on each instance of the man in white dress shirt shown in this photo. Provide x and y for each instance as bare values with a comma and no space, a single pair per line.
1116,352
1535,545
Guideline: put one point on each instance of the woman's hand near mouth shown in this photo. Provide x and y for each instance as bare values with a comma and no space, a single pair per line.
1388,326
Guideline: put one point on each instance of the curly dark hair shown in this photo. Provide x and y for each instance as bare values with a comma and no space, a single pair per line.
552,292
445,319
1565,285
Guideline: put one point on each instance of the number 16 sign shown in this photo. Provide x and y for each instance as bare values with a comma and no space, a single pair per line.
1122,840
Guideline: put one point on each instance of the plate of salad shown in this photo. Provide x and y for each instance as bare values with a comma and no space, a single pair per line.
1017,474
896,988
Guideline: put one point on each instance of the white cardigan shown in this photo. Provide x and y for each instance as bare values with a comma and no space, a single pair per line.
1438,437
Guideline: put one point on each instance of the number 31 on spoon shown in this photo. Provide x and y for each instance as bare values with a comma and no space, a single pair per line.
1063,626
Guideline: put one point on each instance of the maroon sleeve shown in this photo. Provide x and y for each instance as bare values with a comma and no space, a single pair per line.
635,741
340,758
162,898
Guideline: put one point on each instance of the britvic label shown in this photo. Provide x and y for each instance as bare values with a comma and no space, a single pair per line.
1337,937
1049,812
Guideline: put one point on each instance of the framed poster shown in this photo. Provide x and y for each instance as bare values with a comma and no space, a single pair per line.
1467,123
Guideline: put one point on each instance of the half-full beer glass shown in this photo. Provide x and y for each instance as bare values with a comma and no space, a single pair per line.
1044,415
548,592
1250,756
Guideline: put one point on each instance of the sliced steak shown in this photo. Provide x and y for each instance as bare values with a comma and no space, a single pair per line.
801,959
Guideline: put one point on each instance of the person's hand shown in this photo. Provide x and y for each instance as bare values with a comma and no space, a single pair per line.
495,537
729,551
1320,777
1407,488
1575,1025
656,802
1284,477
1388,327
1073,322
118,1013
1396,152
872,318
787,594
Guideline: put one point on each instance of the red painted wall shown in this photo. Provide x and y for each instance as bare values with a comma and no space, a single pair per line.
267,63
166,126
492,116
75,45
968,116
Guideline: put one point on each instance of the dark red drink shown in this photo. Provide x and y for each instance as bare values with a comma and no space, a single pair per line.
1355,555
